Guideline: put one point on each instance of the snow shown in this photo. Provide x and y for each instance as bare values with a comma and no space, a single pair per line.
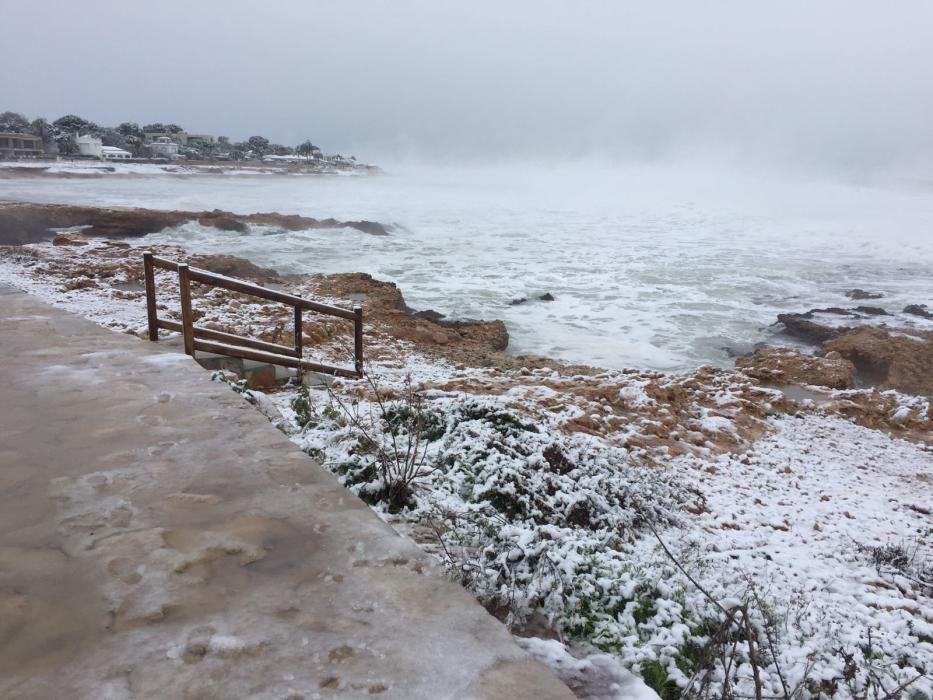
594,677
544,494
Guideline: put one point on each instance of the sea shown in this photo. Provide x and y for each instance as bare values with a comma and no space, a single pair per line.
654,266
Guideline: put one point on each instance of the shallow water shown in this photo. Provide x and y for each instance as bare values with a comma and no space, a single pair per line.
656,267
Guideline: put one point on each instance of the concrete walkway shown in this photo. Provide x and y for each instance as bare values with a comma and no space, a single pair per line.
160,539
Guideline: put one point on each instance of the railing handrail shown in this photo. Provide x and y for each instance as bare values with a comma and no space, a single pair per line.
238,346
198,274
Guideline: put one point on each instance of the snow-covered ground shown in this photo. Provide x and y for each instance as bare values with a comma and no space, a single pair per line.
694,529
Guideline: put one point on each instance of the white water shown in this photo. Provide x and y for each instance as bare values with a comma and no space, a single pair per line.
654,267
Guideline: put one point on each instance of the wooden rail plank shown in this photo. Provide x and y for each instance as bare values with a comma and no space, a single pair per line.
255,290
273,359
237,346
151,311
358,339
209,334
187,315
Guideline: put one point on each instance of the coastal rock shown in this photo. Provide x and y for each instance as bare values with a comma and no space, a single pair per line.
67,240
803,327
491,334
547,296
31,223
860,294
872,311
783,366
429,315
383,302
918,310
895,361
374,228
233,266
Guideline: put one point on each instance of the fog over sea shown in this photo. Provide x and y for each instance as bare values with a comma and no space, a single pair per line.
651,266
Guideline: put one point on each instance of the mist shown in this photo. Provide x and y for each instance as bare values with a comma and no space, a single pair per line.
833,86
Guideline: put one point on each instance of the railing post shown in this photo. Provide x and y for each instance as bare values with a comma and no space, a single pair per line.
187,316
299,338
153,314
358,338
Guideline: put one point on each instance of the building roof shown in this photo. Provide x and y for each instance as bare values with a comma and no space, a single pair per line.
114,149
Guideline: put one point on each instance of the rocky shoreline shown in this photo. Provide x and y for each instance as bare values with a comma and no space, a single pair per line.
22,223
550,485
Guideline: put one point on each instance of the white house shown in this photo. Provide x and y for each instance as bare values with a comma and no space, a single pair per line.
90,146
163,147
114,153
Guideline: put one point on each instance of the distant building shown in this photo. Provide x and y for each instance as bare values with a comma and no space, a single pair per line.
193,139
19,145
181,138
90,146
163,147
114,153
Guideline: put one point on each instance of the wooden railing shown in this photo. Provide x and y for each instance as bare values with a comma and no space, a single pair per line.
237,346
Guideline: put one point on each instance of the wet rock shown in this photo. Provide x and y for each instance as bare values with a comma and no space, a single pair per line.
374,228
783,366
872,310
918,310
31,223
547,296
67,240
429,315
518,302
803,327
233,266
860,294
491,334
894,361
835,310
222,221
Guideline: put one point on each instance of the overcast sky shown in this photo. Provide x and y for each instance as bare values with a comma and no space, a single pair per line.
843,83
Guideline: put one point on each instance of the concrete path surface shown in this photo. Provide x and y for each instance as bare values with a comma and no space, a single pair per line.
160,539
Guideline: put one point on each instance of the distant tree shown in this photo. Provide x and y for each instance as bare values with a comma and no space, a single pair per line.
223,140
305,149
173,128
41,128
66,145
280,150
14,122
112,137
157,127
73,124
208,149
128,129
258,145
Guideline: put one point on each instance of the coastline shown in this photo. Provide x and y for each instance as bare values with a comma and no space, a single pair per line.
75,168
574,458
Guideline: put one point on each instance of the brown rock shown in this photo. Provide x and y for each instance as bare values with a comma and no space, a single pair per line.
30,223
232,266
893,361
801,326
783,366
67,240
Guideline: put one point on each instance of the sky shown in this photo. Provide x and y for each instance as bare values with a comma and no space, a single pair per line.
823,84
